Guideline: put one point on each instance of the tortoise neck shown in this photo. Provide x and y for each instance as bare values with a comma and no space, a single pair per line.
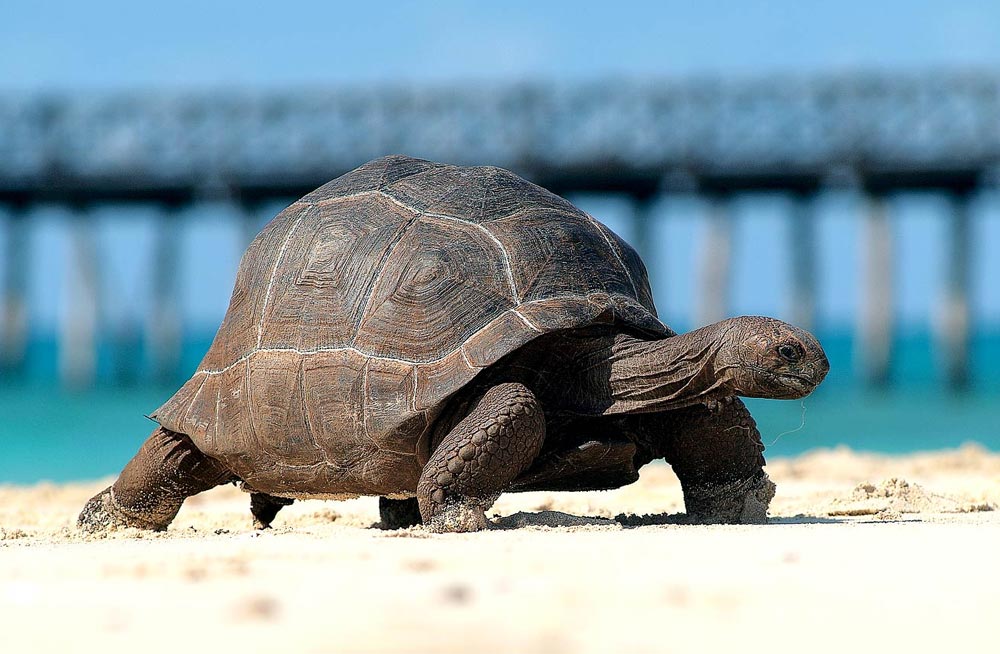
666,374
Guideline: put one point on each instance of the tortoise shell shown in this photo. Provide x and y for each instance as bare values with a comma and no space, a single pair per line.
361,308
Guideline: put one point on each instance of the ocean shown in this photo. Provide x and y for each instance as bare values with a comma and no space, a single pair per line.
52,434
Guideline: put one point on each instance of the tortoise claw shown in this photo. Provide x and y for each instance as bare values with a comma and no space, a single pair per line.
102,513
458,516
742,503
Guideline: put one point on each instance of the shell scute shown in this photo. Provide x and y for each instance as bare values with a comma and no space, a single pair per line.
275,399
390,419
333,386
441,285
550,247
330,264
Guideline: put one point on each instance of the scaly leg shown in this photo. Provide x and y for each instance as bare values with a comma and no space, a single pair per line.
399,514
150,490
479,458
719,458
265,507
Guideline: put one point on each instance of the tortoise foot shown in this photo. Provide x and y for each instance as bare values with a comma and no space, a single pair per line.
458,516
265,507
398,514
102,513
744,502
479,458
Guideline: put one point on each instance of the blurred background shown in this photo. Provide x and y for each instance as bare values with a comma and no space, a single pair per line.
831,164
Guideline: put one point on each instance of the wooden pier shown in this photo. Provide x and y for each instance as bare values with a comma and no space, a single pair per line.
720,140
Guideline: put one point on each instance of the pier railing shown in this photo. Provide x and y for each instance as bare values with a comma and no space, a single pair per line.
644,139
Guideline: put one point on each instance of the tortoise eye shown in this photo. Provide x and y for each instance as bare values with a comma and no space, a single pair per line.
789,352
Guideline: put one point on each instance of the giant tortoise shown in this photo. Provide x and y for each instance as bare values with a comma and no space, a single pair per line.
437,335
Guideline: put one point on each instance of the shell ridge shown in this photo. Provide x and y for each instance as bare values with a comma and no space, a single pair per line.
465,357
305,410
500,246
614,250
363,194
194,398
385,173
508,271
274,272
409,362
527,322
364,404
413,393
530,282
390,248
251,427
218,417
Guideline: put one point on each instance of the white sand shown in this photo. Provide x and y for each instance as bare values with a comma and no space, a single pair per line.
865,553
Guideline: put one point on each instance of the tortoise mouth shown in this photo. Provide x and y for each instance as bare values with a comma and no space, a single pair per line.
797,381
800,384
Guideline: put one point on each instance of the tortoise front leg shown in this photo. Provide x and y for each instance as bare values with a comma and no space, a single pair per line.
479,458
150,490
718,456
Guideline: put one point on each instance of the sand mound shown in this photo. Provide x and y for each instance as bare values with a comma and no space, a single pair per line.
893,497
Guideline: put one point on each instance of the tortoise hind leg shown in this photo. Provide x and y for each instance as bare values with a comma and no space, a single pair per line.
150,490
479,458
594,465
265,507
398,514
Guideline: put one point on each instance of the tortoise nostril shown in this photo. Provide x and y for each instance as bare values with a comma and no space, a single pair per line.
820,368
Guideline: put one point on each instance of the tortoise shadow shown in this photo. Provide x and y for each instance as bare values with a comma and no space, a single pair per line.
631,521
559,519
805,520
523,519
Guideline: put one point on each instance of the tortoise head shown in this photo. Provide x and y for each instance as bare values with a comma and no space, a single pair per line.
765,357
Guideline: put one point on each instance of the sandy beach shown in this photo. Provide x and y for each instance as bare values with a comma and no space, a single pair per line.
871,553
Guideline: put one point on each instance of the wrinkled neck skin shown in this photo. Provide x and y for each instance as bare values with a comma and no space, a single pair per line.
671,373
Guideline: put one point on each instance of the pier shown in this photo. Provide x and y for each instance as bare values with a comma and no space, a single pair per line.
872,135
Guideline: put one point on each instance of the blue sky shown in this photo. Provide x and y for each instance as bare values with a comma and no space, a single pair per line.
179,45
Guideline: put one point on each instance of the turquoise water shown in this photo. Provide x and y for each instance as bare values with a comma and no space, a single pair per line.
60,436
52,434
